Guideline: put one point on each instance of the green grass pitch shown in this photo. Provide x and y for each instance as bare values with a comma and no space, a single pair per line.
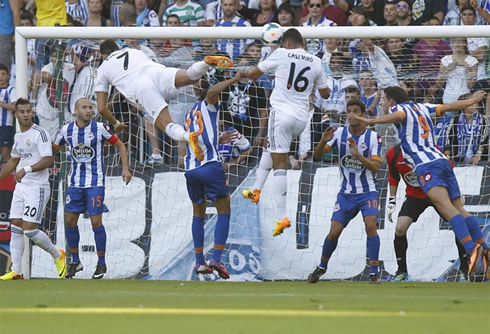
135,306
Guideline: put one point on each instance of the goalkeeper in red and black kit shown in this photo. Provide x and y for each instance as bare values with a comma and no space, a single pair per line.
415,203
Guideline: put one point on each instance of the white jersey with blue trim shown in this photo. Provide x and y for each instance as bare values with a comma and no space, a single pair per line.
416,132
87,152
356,178
203,118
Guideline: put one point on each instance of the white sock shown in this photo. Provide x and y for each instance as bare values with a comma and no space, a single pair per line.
176,132
197,70
279,191
16,248
42,241
263,170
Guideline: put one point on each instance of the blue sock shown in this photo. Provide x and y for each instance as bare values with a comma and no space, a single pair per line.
458,224
328,248
100,244
73,238
198,238
373,253
220,235
475,231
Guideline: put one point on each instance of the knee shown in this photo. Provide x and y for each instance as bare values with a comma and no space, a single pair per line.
400,230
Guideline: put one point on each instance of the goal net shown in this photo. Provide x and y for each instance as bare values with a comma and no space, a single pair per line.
149,221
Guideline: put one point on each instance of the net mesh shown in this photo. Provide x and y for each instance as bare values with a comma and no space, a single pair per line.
149,222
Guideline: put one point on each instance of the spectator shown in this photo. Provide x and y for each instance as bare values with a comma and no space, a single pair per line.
468,136
48,104
370,95
374,15
170,45
347,5
115,11
453,16
359,17
189,13
331,46
390,14
285,15
258,17
7,107
247,103
233,148
316,19
77,9
9,18
146,17
400,56
127,15
95,18
213,13
427,54
404,13
483,10
333,13
425,10
457,71
233,47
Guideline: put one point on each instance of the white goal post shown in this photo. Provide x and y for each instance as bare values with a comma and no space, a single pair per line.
22,34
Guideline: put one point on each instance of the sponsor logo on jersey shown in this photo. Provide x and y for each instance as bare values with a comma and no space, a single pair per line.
411,179
82,153
352,164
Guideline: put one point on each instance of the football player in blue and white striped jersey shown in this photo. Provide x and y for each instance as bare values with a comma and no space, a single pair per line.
86,189
434,172
360,158
206,177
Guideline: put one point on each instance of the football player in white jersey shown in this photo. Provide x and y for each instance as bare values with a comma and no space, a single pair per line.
86,188
147,84
296,74
434,172
359,161
33,154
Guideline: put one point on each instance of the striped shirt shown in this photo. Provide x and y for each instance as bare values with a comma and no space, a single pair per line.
203,118
356,178
78,10
233,47
316,46
87,152
189,14
416,132
7,95
214,11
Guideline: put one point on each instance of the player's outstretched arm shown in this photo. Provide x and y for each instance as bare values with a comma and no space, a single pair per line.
9,167
126,174
45,162
254,74
213,93
107,114
320,147
396,117
462,104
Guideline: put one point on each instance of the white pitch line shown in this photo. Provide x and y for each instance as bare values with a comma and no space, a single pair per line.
227,312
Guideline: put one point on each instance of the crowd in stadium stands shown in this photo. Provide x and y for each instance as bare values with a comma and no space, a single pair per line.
432,70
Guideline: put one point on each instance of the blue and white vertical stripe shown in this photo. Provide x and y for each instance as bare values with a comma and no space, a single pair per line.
7,95
203,118
79,10
416,132
233,47
356,178
88,170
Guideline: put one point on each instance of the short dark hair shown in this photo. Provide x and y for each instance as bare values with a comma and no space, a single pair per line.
26,16
108,46
21,102
4,67
175,16
467,7
357,102
292,35
362,11
396,93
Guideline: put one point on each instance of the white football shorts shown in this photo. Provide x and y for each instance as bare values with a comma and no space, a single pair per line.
29,202
282,129
155,84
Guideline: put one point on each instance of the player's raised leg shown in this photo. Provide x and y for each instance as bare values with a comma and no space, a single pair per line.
16,251
261,175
